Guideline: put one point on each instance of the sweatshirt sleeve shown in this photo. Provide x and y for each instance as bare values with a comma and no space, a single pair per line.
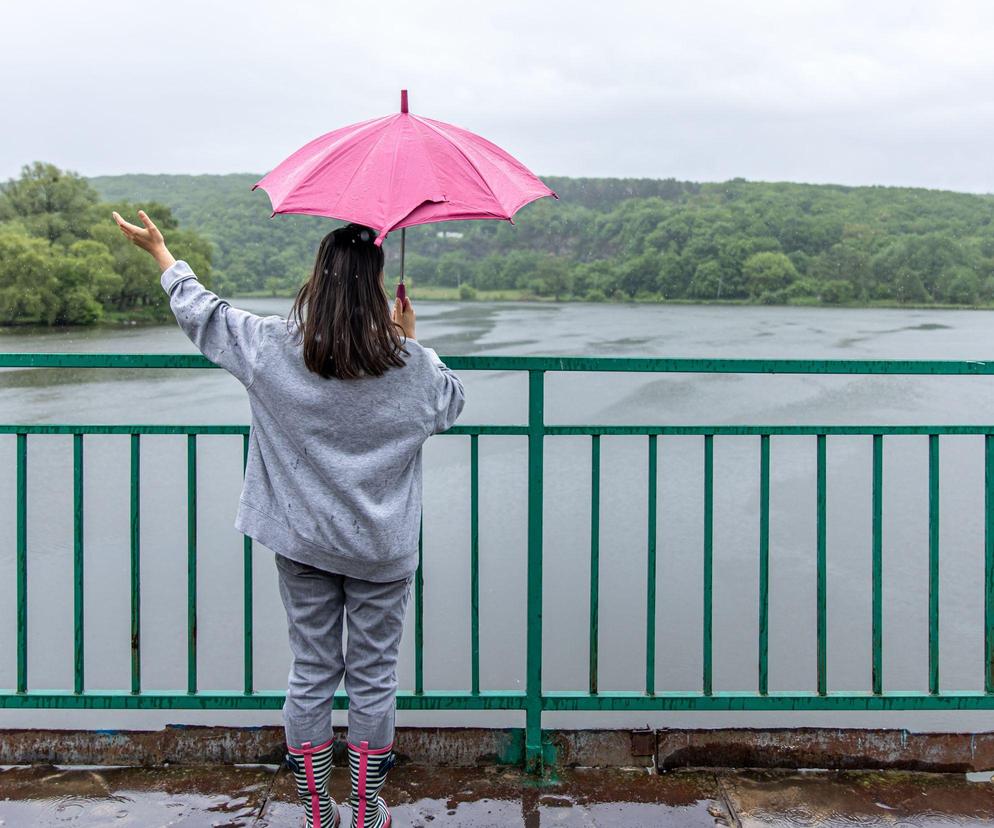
447,394
227,336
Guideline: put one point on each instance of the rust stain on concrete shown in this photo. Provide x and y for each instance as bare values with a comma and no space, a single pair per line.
833,748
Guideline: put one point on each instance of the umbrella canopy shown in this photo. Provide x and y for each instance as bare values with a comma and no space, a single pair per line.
401,170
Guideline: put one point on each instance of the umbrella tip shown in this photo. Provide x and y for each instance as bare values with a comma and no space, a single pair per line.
403,100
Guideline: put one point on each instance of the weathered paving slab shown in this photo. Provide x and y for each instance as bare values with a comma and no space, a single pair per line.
843,799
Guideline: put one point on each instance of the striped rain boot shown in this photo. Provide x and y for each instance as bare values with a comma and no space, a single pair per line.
368,769
311,768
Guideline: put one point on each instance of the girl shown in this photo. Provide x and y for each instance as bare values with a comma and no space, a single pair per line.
342,397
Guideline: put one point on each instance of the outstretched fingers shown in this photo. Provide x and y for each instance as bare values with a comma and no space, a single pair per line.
126,226
149,225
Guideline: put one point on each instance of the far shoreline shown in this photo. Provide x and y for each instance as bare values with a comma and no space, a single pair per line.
119,319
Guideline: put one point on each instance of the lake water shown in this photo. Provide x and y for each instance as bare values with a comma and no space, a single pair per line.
177,396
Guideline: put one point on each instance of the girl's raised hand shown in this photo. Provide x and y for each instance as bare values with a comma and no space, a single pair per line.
148,238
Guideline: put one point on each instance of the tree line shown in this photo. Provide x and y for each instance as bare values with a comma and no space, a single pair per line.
64,262
642,239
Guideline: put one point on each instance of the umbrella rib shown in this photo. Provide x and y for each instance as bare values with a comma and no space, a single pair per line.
438,188
468,160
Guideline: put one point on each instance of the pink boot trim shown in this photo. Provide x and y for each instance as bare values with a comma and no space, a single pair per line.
308,752
364,753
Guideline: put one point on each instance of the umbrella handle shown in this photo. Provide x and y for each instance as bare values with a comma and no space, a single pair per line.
401,291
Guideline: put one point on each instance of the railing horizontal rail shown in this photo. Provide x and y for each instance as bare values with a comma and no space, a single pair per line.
551,430
535,700
261,700
487,700
546,363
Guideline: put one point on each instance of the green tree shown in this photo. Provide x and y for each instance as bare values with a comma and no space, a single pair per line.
707,281
768,273
554,275
29,285
836,292
55,205
963,287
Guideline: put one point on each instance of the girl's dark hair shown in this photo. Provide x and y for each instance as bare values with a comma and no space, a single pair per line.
342,311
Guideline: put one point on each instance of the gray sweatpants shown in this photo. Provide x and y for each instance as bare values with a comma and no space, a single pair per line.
315,602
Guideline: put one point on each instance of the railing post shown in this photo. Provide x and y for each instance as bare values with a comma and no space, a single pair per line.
474,562
191,563
821,585
77,566
595,524
876,577
989,563
419,612
533,684
135,561
764,564
247,598
933,564
650,578
22,563
707,682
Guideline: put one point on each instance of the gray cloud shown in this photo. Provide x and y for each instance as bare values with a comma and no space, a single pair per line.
822,90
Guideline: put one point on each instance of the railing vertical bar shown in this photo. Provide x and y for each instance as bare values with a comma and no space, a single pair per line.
247,596
595,520
933,564
764,563
650,589
77,561
419,613
22,563
191,563
136,681
533,661
988,563
474,560
877,569
822,575
708,558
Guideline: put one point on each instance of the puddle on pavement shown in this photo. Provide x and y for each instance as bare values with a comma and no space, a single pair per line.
423,797
42,795
230,796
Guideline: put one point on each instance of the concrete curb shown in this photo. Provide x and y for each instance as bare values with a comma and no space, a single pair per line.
666,749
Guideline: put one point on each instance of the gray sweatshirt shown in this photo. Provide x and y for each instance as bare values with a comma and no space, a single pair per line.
333,476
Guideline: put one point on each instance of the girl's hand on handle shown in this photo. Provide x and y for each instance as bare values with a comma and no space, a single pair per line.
403,315
148,238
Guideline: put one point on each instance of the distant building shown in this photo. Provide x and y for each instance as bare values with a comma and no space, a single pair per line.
449,234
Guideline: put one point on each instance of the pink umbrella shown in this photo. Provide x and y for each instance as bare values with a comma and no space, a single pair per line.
400,170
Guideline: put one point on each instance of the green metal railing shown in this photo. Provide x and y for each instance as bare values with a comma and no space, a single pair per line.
534,701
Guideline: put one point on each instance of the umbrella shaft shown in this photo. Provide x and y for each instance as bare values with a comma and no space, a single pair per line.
402,234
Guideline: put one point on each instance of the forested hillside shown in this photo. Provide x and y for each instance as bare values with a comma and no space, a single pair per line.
643,239
63,261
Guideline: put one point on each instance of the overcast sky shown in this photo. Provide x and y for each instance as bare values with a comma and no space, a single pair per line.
869,92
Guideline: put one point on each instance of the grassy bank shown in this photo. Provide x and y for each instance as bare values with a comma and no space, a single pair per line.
436,292
440,293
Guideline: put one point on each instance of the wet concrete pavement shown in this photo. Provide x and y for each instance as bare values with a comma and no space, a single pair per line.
426,797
